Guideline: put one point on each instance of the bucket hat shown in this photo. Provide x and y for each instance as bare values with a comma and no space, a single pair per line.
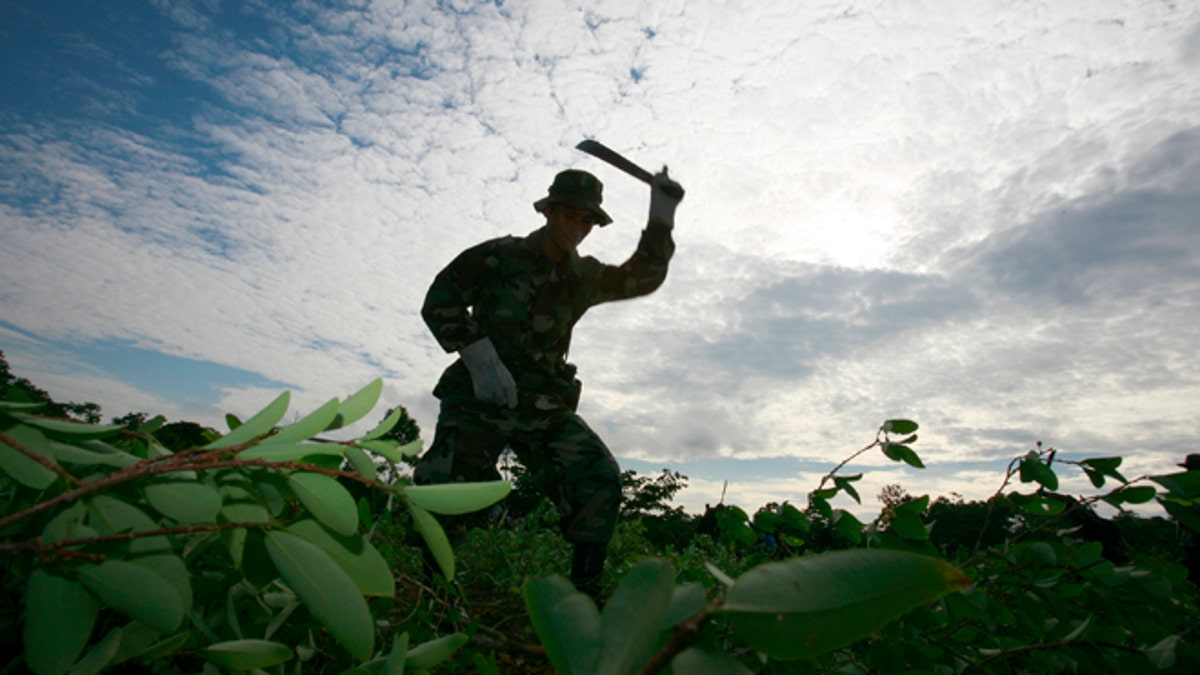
579,190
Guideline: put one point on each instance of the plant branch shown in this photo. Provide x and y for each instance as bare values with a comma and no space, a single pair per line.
844,462
683,635
44,549
174,464
9,440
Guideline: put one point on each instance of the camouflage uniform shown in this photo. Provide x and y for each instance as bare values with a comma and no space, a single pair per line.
509,290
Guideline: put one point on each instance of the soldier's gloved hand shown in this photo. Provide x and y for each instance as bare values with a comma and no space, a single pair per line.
665,195
493,383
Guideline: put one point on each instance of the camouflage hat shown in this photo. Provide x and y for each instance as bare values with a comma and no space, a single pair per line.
579,190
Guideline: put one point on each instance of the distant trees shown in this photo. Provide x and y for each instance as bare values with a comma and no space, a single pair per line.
20,389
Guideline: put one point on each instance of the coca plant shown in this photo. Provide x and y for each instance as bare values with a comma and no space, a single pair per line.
244,553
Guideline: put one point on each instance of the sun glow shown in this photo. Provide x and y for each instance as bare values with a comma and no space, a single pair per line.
845,233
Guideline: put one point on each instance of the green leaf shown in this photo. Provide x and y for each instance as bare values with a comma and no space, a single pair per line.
246,654
1079,629
435,539
766,520
135,591
908,456
707,661
359,404
794,518
635,616
290,452
239,506
1138,494
24,469
113,516
135,639
397,657
566,622
909,525
821,504
1033,469
361,462
1162,654
1097,468
845,484
327,499
916,506
307,427
14,406
1037,552
165,647
898,452
847,526
185,502
384,426
68,524
100,656
68,431
804,607
900,426
67,453
1037,504
687,601
152,425
1185,484
327,591
392,450
170,567
429,654
256,426
456,498
354,554
59,616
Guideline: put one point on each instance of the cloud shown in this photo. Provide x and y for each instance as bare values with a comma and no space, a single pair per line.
979,218
1124,245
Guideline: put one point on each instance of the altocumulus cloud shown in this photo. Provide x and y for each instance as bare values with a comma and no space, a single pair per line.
981,217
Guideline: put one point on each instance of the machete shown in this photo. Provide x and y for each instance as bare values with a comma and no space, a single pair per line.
607,154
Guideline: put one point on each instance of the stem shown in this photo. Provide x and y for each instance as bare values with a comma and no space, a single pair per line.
177,463
683,635
9,440
844,462
44,549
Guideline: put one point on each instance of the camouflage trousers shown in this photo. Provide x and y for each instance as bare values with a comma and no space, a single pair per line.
569,462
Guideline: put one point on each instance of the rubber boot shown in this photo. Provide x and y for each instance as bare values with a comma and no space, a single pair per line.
586,568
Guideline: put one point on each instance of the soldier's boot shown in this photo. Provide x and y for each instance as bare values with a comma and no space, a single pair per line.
586,568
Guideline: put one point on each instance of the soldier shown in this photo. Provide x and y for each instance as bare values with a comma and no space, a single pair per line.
507,307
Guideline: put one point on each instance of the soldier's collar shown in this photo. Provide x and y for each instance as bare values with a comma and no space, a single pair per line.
568,265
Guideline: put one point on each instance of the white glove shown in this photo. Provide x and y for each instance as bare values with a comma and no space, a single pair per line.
665,195
493,383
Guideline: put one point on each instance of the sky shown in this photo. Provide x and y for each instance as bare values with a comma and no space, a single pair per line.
982,216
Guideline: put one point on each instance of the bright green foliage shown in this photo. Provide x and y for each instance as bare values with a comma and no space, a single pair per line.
243,553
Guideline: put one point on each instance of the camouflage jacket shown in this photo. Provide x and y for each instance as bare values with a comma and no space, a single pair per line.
509,290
